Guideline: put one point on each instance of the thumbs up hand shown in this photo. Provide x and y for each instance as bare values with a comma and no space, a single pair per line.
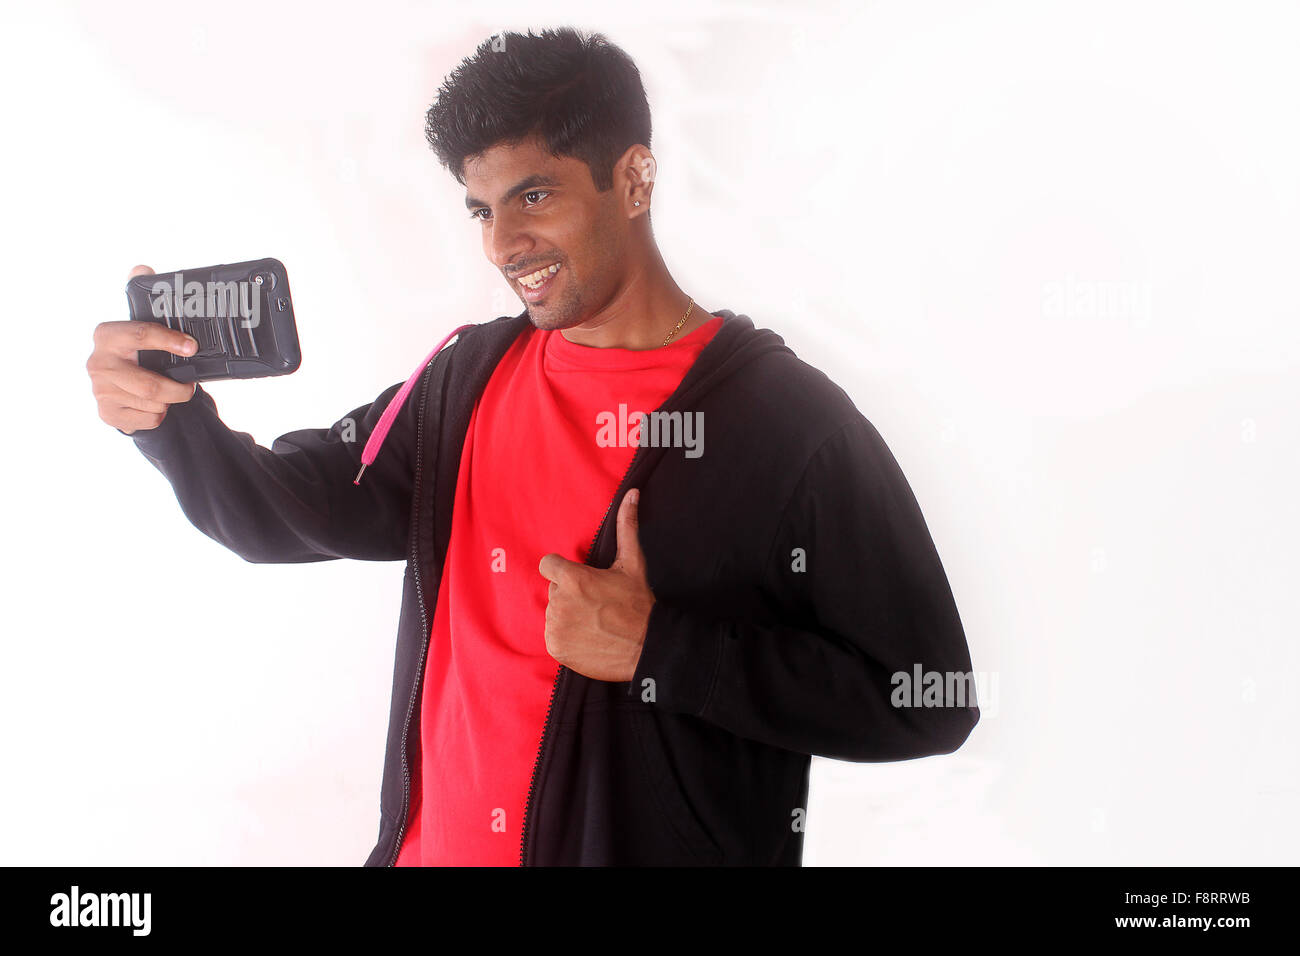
596,618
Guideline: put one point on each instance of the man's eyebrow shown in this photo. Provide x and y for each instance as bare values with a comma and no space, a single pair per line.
525,184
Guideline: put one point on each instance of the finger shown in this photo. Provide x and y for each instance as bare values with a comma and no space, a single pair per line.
628,554
117,397
553,567
128,337
132,420
141,271
146,384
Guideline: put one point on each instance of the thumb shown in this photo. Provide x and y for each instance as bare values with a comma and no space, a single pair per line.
628,555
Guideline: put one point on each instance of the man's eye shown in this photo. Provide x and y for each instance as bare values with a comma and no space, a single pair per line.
543,193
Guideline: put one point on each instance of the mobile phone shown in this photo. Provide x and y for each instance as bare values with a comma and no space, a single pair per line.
241,314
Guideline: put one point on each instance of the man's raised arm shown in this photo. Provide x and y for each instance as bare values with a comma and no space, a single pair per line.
290,503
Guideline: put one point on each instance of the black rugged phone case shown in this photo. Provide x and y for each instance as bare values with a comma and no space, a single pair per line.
241,314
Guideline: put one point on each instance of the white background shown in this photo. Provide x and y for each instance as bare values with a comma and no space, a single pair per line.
928,201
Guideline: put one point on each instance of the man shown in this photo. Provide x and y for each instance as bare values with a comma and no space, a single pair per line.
622,634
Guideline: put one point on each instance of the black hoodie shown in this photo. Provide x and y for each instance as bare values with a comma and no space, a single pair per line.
795,584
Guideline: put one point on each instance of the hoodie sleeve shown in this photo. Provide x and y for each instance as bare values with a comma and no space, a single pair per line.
852,550
295,501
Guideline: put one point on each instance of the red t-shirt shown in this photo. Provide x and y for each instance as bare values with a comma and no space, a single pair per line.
534,478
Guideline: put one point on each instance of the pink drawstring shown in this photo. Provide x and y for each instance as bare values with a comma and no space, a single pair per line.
371,451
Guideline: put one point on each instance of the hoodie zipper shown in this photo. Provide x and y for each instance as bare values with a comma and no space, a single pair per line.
424,621
558,685
559,676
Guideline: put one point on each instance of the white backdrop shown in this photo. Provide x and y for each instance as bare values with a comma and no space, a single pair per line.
1049,249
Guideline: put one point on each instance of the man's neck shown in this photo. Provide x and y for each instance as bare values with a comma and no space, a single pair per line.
641,315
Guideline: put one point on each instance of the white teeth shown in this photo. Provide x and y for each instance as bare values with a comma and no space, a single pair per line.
538,277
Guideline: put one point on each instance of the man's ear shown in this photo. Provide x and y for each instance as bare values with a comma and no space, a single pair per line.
635,177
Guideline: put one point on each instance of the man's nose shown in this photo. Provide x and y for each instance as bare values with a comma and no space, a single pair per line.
507,243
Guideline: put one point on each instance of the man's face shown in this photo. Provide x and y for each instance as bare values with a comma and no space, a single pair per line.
539,211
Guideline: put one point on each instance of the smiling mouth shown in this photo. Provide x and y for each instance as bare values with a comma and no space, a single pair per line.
535,280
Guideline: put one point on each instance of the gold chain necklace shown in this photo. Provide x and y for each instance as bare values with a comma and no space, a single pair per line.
689,306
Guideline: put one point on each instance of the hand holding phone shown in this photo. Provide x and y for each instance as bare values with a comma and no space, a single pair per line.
240,314
132,398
